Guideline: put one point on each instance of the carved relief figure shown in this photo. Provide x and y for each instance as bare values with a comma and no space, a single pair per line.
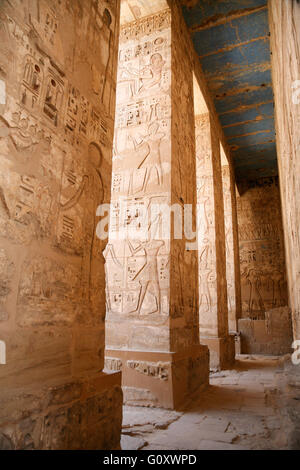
152,75
35,173
208,296
92,189
148,276
261,248
255,302
100,29
7,270
46,24
96,194
151,159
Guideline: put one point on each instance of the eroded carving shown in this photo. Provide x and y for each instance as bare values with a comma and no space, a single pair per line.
159,371
261,249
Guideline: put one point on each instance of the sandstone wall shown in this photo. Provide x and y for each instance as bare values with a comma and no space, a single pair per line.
272,336
262,258
228,195
58,62
284,18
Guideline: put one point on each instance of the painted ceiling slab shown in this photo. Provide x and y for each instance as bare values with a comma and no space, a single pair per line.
231,38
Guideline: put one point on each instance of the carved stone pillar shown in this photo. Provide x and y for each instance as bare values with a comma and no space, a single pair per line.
284,19
229,245
213,309
151,328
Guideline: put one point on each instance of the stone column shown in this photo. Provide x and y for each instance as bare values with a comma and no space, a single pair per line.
58,67
152,332
232,320
284,19
213,309
236,250
231,247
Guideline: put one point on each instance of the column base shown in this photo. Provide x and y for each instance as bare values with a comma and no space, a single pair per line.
222,351
160,379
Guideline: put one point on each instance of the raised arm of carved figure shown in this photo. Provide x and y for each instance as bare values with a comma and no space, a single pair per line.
135,143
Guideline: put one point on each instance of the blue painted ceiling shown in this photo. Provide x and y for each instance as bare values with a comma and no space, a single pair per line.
231,38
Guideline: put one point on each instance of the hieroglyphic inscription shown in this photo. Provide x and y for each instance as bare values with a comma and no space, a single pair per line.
137,264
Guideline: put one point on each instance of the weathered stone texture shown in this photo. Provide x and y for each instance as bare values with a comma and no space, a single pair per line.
272,336
69,416
261,248
58,60
213,309
284,19
138,268
228,196
151,276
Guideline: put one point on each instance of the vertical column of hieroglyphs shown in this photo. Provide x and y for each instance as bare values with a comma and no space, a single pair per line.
229,241
137,256
58,62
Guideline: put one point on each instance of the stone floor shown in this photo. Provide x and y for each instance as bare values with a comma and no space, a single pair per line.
253,406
